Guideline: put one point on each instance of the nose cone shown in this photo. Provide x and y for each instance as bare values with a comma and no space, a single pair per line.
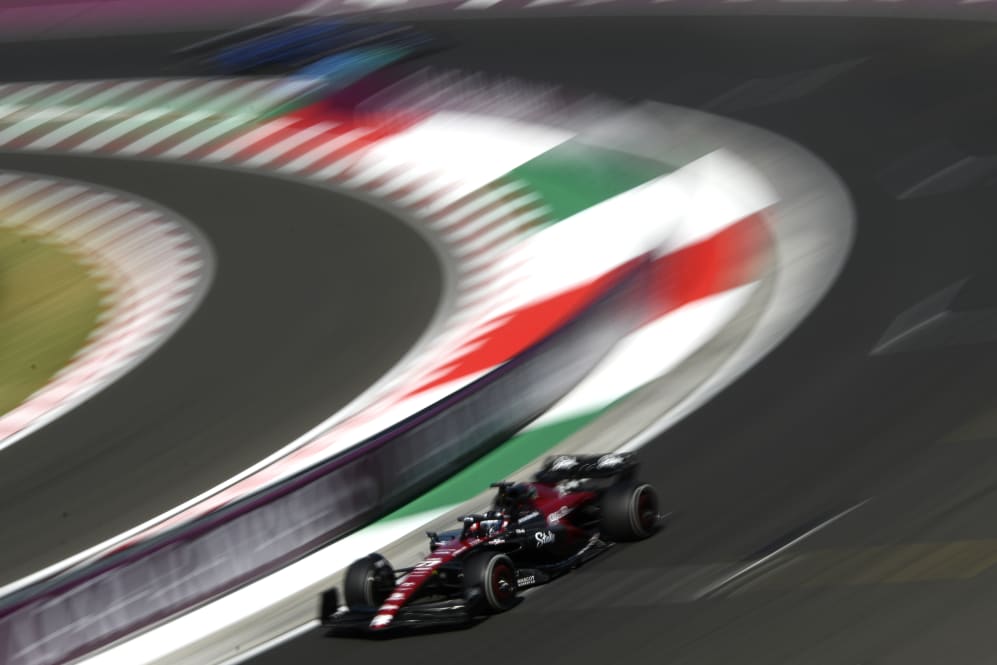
381,621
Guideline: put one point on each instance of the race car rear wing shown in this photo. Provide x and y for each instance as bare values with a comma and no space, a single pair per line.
580,467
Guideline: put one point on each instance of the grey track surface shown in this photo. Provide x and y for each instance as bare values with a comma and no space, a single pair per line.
316,296
908,578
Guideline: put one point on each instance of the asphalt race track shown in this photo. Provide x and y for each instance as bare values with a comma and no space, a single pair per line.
316,296
821,426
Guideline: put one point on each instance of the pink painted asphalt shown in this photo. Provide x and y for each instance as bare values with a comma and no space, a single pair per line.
24,19
30,18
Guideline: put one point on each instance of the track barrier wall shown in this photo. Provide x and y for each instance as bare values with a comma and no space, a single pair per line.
98,602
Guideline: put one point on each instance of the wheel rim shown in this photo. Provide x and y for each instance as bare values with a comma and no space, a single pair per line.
646,510
503,583
378,586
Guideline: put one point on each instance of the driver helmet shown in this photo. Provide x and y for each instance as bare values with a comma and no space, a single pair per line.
491,524
518,497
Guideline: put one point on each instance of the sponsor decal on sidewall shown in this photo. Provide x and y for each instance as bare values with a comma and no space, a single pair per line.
544,538
558,515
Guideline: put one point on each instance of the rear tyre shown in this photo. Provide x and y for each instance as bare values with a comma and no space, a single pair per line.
491,576
368,582
629,512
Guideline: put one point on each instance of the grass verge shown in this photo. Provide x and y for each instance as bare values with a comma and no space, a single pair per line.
48,305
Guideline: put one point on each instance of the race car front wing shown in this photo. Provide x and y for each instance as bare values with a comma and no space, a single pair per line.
443,614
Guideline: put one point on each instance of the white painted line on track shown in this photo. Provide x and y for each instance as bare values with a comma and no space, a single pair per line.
148,141
326,149
247,140
117,131
207,135
103,228
273,643
741,572
477,4
450,141
105,105
290,143
476,204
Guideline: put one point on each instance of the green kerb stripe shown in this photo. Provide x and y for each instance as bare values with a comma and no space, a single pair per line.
569,178
575,176
495,466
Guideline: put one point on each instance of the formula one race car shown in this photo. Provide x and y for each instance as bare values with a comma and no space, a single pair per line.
576,507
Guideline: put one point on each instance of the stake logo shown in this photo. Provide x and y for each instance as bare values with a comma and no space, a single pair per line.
544,538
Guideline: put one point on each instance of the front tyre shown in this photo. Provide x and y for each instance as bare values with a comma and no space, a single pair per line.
368,582
492,577
629,512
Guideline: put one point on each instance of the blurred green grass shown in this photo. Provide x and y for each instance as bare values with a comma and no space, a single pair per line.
48,306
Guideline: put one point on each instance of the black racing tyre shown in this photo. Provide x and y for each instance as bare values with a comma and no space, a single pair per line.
492,577
629,512
368,582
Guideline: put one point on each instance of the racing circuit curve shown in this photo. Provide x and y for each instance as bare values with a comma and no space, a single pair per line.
823,425
257,346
